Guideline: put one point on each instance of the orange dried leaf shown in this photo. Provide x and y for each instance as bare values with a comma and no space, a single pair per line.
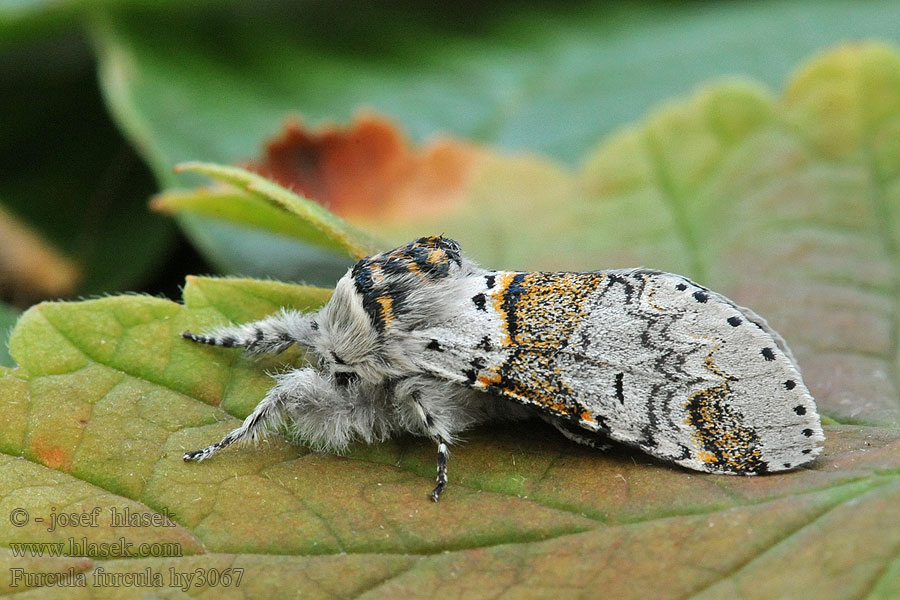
369,171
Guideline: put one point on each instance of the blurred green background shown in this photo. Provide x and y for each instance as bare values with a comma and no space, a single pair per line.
101,99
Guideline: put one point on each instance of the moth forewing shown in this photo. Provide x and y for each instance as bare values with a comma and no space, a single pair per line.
643,357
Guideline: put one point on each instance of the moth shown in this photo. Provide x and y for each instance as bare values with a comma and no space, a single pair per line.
422,340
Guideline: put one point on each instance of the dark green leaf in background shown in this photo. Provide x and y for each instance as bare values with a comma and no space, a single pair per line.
519,77
212,85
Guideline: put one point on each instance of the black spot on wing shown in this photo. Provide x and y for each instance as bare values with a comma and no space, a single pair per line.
620,392
768,354
807,432
701,296
490,280
434,345
485,344
790,384
479,301
681,287
800,410
734,321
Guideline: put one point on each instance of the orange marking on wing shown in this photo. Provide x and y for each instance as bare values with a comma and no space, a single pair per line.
546,311
492,377
498,296
707,457
387,309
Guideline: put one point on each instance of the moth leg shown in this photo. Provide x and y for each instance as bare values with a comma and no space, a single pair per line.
318,410
432,408
256,423
267,413
274,334
594,439
443,456
443,453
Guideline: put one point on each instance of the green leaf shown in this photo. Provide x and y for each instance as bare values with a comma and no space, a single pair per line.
300,217
8,317
109,397
789,205
525,78
537,78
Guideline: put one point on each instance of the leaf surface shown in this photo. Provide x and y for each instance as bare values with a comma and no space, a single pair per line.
8,318
309,221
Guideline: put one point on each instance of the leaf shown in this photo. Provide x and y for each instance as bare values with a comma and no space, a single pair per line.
309,221
787,205
547,79
544,79
108,398
8,317
368,168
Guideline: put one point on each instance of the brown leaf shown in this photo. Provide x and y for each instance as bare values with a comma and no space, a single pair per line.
369,171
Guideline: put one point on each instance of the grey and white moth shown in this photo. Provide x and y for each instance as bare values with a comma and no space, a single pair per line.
419,339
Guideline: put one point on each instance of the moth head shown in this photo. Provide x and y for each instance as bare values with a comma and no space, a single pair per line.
345,339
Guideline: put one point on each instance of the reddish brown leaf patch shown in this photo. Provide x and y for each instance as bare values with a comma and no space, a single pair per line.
369,171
